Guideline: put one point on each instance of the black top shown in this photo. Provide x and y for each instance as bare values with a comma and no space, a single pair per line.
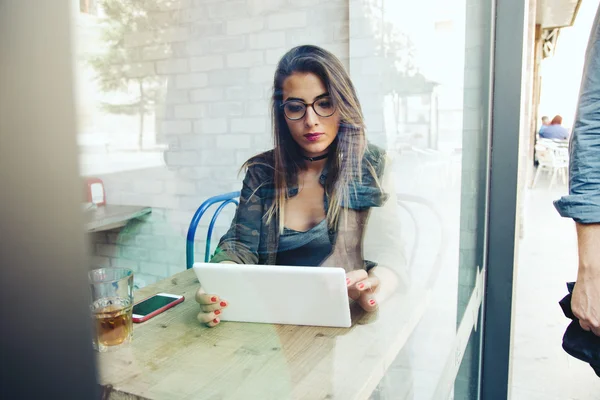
307,249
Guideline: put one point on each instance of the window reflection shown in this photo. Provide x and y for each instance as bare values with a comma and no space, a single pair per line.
177,104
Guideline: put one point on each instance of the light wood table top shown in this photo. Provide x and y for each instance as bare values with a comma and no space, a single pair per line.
111,216
172,356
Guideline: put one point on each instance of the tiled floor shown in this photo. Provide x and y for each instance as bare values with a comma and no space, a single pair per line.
547,260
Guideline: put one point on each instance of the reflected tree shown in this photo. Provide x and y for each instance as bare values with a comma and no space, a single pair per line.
401,78
395,53
131,83
399,69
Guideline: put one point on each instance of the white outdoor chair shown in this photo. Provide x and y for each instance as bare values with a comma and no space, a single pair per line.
554,160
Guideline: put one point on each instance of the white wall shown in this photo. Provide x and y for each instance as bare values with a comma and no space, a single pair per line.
217,60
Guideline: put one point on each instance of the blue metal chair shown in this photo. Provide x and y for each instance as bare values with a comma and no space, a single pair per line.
223,199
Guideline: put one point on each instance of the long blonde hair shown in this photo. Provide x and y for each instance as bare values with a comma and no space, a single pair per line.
347,150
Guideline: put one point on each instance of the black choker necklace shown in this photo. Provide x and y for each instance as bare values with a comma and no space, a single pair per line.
311,159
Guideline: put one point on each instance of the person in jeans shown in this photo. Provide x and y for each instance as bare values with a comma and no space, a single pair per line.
583,202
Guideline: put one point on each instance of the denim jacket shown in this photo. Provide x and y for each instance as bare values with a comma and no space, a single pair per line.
251,240
583,202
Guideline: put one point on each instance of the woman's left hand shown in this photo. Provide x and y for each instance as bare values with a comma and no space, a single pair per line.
362,288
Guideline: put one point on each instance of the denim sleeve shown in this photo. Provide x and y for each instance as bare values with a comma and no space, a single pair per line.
583,202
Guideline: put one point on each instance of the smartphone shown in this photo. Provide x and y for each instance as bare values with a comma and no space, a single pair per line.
154,305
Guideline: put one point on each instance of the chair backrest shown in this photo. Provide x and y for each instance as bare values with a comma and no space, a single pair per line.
223,200
561,155
544,154
552,155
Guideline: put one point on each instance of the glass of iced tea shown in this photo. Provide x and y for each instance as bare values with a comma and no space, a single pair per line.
112,302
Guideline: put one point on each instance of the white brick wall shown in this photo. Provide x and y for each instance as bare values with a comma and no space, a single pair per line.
257,108
226,10
217,59
175,34
249,125
266,40
180,187
148,187
158,52
172,66
195,47
190,81
210,125
234,142
208,94
140,70
272,56
182,158
176,127
139,39
228,77
226,109
107,250
245,59
189,111
175,96
169,5
217,157
245,25
246,92
262,74
287,20
227,44
206,63
265,7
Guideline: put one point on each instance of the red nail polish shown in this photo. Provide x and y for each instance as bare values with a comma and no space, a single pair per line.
217,312
372,302
361,285
213,299
348,281
223,304
216,320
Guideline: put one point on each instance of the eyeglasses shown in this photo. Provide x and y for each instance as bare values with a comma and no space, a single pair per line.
296,109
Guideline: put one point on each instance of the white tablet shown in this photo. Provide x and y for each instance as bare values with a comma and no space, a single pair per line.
278,294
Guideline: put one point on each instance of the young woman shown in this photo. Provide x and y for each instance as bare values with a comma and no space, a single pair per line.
307,201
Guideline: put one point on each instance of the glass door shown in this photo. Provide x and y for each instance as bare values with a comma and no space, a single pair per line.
424,73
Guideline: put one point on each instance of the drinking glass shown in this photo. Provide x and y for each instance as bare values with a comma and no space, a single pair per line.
111,305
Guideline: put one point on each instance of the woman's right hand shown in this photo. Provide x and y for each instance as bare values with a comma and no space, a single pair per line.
210,308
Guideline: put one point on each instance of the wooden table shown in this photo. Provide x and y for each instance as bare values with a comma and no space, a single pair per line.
111,216
172,356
